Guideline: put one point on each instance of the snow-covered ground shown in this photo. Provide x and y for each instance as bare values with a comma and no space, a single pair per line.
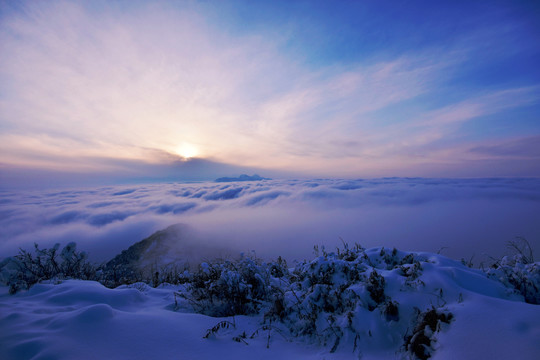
74,319
84,320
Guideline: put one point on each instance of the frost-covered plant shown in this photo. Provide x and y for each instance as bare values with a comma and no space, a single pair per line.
26,268
523,249
375,286
325,295
170,274
420,343
519,272
113,276
519,275
391,311
120,274
75,264
224,288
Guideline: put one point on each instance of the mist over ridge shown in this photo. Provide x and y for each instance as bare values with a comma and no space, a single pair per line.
283,217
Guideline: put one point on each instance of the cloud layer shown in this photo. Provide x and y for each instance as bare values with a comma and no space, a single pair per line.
283,217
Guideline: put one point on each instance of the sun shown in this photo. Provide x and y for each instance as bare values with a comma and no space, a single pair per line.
186,150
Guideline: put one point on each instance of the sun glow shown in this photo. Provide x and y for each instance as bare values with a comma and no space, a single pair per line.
186,150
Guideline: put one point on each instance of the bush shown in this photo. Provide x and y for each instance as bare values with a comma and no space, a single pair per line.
518,275
419,344
26,268
225,288
519,272
325,295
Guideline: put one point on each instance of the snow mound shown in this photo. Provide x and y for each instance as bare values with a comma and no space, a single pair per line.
354,303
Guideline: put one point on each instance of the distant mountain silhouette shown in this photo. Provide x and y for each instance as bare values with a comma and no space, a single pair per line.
121,171
242,177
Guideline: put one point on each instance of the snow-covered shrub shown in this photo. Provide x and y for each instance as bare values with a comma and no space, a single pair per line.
26,268
327,296
419,343
520,275
170,274
391,311
115,275
75,264
519,272
224,288
375,286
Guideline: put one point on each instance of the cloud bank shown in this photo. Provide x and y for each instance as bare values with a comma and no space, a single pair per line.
283,217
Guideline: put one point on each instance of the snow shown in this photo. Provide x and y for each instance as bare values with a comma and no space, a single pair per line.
84,320
75,319
491,328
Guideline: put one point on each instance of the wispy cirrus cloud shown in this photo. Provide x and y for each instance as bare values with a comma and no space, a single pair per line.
526,147
97,80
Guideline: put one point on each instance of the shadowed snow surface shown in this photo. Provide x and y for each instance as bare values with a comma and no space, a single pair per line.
84,320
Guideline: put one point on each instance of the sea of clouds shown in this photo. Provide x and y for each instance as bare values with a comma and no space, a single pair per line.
463,217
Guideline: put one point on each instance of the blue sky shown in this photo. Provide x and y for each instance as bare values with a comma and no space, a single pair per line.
312,88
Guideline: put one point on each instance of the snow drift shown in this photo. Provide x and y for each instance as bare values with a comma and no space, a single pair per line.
354,303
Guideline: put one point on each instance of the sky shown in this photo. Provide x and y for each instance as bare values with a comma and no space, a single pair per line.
192,90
